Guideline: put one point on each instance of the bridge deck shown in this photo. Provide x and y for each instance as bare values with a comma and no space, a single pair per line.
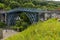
28,10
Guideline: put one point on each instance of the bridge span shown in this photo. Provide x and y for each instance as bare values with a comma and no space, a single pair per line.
34,15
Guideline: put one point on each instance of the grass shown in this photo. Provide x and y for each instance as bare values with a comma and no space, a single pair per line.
47,30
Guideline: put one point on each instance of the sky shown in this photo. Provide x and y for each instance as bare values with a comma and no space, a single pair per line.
53,0
56,0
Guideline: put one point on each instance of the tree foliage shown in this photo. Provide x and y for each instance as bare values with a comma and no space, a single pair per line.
2,6
29,4
2,25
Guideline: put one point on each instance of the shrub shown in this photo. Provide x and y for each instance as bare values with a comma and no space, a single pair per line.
2,25
47,30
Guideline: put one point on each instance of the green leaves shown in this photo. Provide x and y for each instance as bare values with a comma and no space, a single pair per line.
27,5
47,30
2,6
2,25
10,4
14,4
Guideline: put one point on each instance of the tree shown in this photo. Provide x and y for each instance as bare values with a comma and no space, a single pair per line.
14,4
8,8
2,6
29,5
2,25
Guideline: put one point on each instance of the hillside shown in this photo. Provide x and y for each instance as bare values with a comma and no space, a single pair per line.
11,4
47,30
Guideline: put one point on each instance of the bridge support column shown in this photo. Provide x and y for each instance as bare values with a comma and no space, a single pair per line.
36,17
5,18
46,16
10,19
2,18
39,16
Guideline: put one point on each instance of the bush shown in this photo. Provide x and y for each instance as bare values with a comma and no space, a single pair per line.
2,6
47,30
2,25
20,26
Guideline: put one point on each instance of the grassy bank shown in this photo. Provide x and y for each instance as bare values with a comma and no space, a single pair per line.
47,30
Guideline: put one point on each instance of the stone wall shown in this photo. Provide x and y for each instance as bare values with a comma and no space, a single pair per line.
46,16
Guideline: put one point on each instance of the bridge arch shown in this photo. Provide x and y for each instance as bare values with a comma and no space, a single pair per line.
12,15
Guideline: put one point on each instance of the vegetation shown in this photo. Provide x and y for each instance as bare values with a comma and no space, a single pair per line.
2,25
47,30
38,4
45,5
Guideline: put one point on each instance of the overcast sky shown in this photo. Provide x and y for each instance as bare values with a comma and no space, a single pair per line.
53,0
56,0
